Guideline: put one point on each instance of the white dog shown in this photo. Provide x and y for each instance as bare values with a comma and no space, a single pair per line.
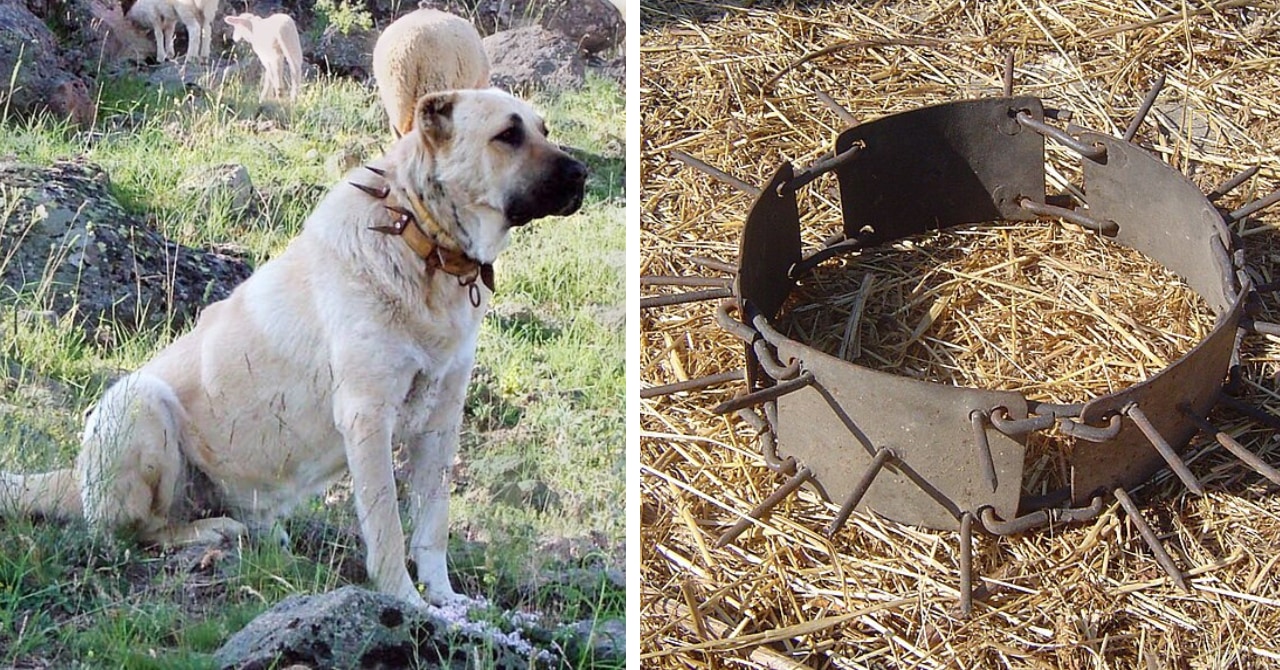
358,337
162,17
426,51
275,40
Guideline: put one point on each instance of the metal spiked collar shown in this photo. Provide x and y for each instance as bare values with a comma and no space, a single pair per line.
432,244
955,457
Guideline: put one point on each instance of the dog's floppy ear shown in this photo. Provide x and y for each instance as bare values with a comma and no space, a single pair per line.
434,118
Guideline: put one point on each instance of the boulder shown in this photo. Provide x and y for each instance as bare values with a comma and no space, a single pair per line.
80,254
534,58
348,54
356,628
592,25
42,82
93,33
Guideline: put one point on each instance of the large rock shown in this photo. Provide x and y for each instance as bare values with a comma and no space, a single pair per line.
42,82
534,58
593,25
357,628
347,54
79,252
92,33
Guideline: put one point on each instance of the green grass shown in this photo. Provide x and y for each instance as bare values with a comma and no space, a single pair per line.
536,518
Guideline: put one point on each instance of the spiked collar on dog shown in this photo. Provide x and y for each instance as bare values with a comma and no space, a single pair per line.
432,244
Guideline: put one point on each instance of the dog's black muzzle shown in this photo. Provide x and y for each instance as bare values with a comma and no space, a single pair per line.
558,192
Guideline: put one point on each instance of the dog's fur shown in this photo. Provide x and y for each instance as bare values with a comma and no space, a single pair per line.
275,40
162,17
331,353
422,52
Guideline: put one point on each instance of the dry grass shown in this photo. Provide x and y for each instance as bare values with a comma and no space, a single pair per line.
881,594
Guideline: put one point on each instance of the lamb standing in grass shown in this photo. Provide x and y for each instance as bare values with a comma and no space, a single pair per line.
275,40
422,52
162,17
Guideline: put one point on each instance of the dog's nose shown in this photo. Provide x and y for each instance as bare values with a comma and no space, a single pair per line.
573,170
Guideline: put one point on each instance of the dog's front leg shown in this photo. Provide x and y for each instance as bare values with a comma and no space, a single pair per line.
430,462
367,431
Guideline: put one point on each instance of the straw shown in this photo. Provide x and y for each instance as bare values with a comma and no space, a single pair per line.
1045,310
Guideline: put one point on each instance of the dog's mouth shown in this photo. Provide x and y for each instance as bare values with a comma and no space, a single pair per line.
560,194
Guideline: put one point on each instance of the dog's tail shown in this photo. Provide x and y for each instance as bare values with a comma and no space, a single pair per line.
49,494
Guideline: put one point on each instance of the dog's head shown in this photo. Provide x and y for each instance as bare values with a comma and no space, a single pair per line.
487,167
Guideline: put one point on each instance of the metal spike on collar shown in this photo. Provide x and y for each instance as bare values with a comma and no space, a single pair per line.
942,456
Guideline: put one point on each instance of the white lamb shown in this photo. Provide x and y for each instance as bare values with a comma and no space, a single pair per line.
162,17
422,52
275,40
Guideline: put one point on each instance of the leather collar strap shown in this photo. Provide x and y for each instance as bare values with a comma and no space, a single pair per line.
432,244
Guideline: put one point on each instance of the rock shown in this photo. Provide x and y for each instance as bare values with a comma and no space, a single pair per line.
593,25
93,33
228,184
42,81
102,266
357,628
615,69
602,642
489,16
533,58
345,54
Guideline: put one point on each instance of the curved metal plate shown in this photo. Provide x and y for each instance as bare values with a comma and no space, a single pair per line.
770,246
941,166
835,426
1166,217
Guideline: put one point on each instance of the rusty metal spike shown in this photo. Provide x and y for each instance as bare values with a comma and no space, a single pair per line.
665,280
649,302
715,173
883,454
979,421
1231,184
378,193
692,384
966,564
1149,536
796,481
1253,207
404,213
772,393
1143,109
1238,450
378,171
1166,451
713,264
1008,75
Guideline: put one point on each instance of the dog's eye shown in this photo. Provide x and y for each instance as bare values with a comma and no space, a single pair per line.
512,136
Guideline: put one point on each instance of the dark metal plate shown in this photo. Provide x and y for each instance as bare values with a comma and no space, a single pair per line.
1166,217
940,166
835,426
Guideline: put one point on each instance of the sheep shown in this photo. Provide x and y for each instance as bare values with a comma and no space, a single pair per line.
275,40
422,52
162,17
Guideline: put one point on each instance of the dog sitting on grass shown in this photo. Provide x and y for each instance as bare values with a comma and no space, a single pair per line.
360,336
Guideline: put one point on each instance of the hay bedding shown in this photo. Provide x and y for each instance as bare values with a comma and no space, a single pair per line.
880,594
